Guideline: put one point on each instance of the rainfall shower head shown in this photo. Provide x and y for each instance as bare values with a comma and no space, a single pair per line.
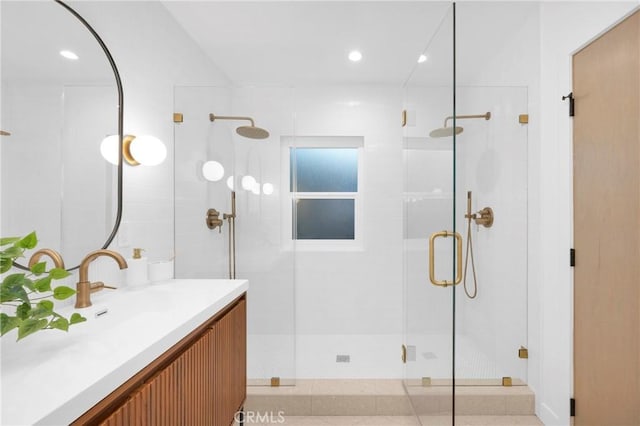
250,131
445,131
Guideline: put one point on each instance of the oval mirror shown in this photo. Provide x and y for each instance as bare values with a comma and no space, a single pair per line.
61,96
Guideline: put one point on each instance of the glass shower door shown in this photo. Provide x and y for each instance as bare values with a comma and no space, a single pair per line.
431,244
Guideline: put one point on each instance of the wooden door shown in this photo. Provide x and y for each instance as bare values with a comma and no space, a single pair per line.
606,144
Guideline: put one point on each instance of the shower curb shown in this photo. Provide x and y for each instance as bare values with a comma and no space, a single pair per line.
348,400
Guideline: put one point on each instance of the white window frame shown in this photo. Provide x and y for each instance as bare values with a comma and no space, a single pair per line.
288,243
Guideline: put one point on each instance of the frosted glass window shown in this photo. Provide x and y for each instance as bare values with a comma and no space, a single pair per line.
323,170
324,219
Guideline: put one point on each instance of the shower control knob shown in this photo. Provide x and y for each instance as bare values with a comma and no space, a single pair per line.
484,217
213,220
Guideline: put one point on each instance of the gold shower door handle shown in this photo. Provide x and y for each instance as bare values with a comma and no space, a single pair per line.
432,268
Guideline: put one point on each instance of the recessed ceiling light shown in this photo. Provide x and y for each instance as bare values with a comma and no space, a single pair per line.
422,58
355,56
69,54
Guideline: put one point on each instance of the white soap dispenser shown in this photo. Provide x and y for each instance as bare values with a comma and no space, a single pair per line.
137,270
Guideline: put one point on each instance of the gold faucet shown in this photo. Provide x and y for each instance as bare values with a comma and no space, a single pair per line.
54,255
84,287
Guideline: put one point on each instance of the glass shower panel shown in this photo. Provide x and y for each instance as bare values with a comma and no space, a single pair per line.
263,258
201,252
429,195
252,170
491,302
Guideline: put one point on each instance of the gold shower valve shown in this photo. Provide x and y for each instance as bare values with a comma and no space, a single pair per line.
213,220
484,217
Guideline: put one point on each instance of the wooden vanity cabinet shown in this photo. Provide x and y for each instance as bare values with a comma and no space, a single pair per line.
200,381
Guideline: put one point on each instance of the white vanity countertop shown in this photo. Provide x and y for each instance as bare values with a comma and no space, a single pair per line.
53,377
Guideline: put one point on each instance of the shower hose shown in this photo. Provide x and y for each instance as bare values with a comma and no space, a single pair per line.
469,253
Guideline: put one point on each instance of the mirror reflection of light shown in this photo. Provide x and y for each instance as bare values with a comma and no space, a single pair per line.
148,150
267,189
355,56
109,149
248,182
422,58
213,171
256,188
69,55
230,182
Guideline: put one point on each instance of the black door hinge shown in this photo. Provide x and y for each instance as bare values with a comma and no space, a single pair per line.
571,104
572,407
572,257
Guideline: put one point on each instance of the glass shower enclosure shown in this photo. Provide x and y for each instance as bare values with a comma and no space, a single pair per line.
465,232
406,300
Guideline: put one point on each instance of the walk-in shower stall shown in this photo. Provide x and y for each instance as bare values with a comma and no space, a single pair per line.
352,219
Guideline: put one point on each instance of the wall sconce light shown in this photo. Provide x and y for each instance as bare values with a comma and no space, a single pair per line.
143,150
212,171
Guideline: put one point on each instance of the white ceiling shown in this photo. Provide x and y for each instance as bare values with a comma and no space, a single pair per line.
300,42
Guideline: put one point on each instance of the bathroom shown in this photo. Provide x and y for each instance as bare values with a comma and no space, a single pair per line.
312,303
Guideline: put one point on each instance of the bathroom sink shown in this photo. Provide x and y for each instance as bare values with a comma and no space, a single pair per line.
126,329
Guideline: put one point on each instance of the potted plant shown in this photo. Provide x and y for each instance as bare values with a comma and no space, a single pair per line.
26,297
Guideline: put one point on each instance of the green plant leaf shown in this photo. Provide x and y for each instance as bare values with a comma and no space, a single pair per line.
30,326
76,318
13,280
63,292
43,284
23,311
29,241
5,265
45,304
29,284
12,294
43,309
5,241
14,284
58,273
60,324
8,323
39,268
11,253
